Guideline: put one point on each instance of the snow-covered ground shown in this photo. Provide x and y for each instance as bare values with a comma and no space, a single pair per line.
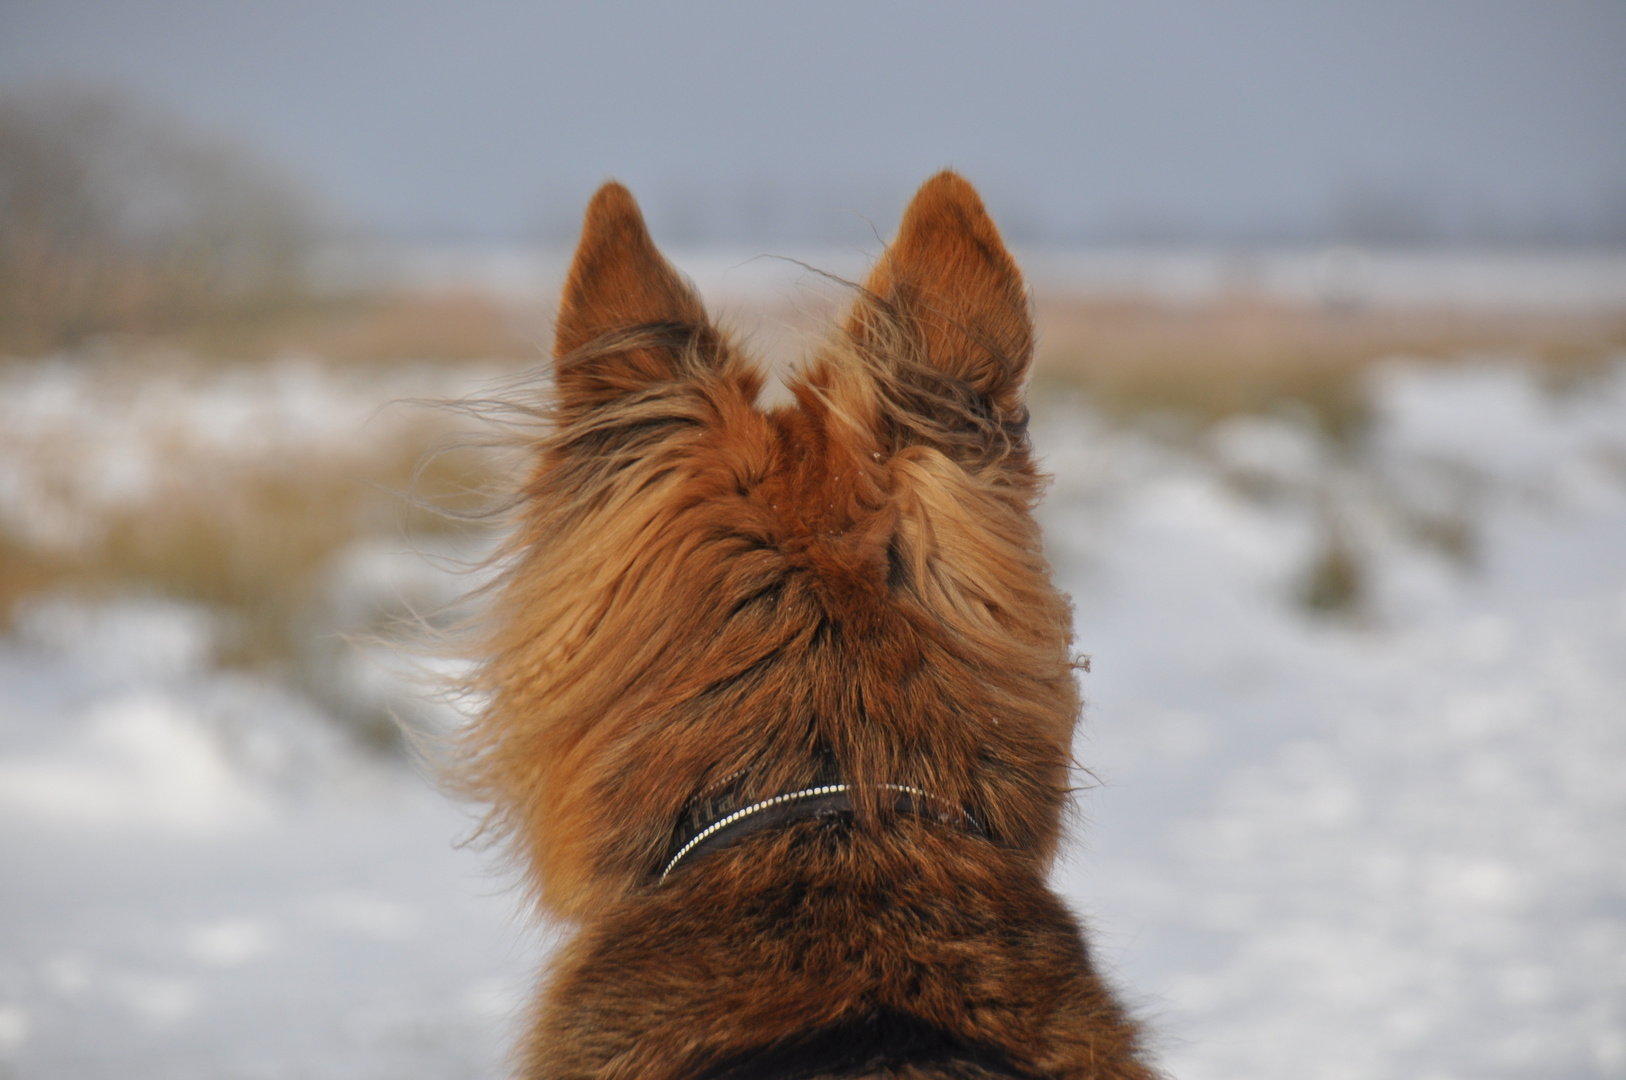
1394,847
1385,843
204,879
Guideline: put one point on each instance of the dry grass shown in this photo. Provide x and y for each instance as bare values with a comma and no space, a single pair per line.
450,327
254,542
1246,355
268,532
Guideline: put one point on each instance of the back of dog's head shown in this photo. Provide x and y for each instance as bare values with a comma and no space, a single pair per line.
703,591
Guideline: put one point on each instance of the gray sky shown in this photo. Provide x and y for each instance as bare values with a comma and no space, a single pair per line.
734,121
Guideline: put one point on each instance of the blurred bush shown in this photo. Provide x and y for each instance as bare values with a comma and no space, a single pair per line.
115,217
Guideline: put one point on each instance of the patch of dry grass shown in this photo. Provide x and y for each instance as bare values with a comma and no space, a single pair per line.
1244,354
252,540
117,477
449,327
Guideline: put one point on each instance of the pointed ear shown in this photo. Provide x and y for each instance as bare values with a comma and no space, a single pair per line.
956,294
627,317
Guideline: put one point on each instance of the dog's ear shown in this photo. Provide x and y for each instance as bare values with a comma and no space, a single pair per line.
951,295
627,317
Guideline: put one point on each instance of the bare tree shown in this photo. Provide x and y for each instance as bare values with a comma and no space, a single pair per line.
115,216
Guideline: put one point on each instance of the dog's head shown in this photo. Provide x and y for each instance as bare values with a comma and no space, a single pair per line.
703,591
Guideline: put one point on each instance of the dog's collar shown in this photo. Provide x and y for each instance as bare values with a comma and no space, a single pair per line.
820,801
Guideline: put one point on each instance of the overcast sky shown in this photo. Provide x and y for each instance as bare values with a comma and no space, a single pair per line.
1190,119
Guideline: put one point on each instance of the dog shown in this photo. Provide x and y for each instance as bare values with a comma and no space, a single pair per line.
778,703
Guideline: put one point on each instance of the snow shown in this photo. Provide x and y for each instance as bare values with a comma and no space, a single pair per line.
1384,843
1394,847
205,878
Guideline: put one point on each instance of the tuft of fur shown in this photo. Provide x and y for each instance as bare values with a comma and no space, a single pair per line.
702,592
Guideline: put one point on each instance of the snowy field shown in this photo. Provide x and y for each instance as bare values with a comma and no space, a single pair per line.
1390,848
1389,842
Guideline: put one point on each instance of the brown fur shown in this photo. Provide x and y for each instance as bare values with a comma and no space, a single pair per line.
699,586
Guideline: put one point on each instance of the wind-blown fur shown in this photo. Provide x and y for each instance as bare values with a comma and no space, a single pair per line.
703,593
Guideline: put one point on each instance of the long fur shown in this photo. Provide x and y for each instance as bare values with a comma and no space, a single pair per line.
702,592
